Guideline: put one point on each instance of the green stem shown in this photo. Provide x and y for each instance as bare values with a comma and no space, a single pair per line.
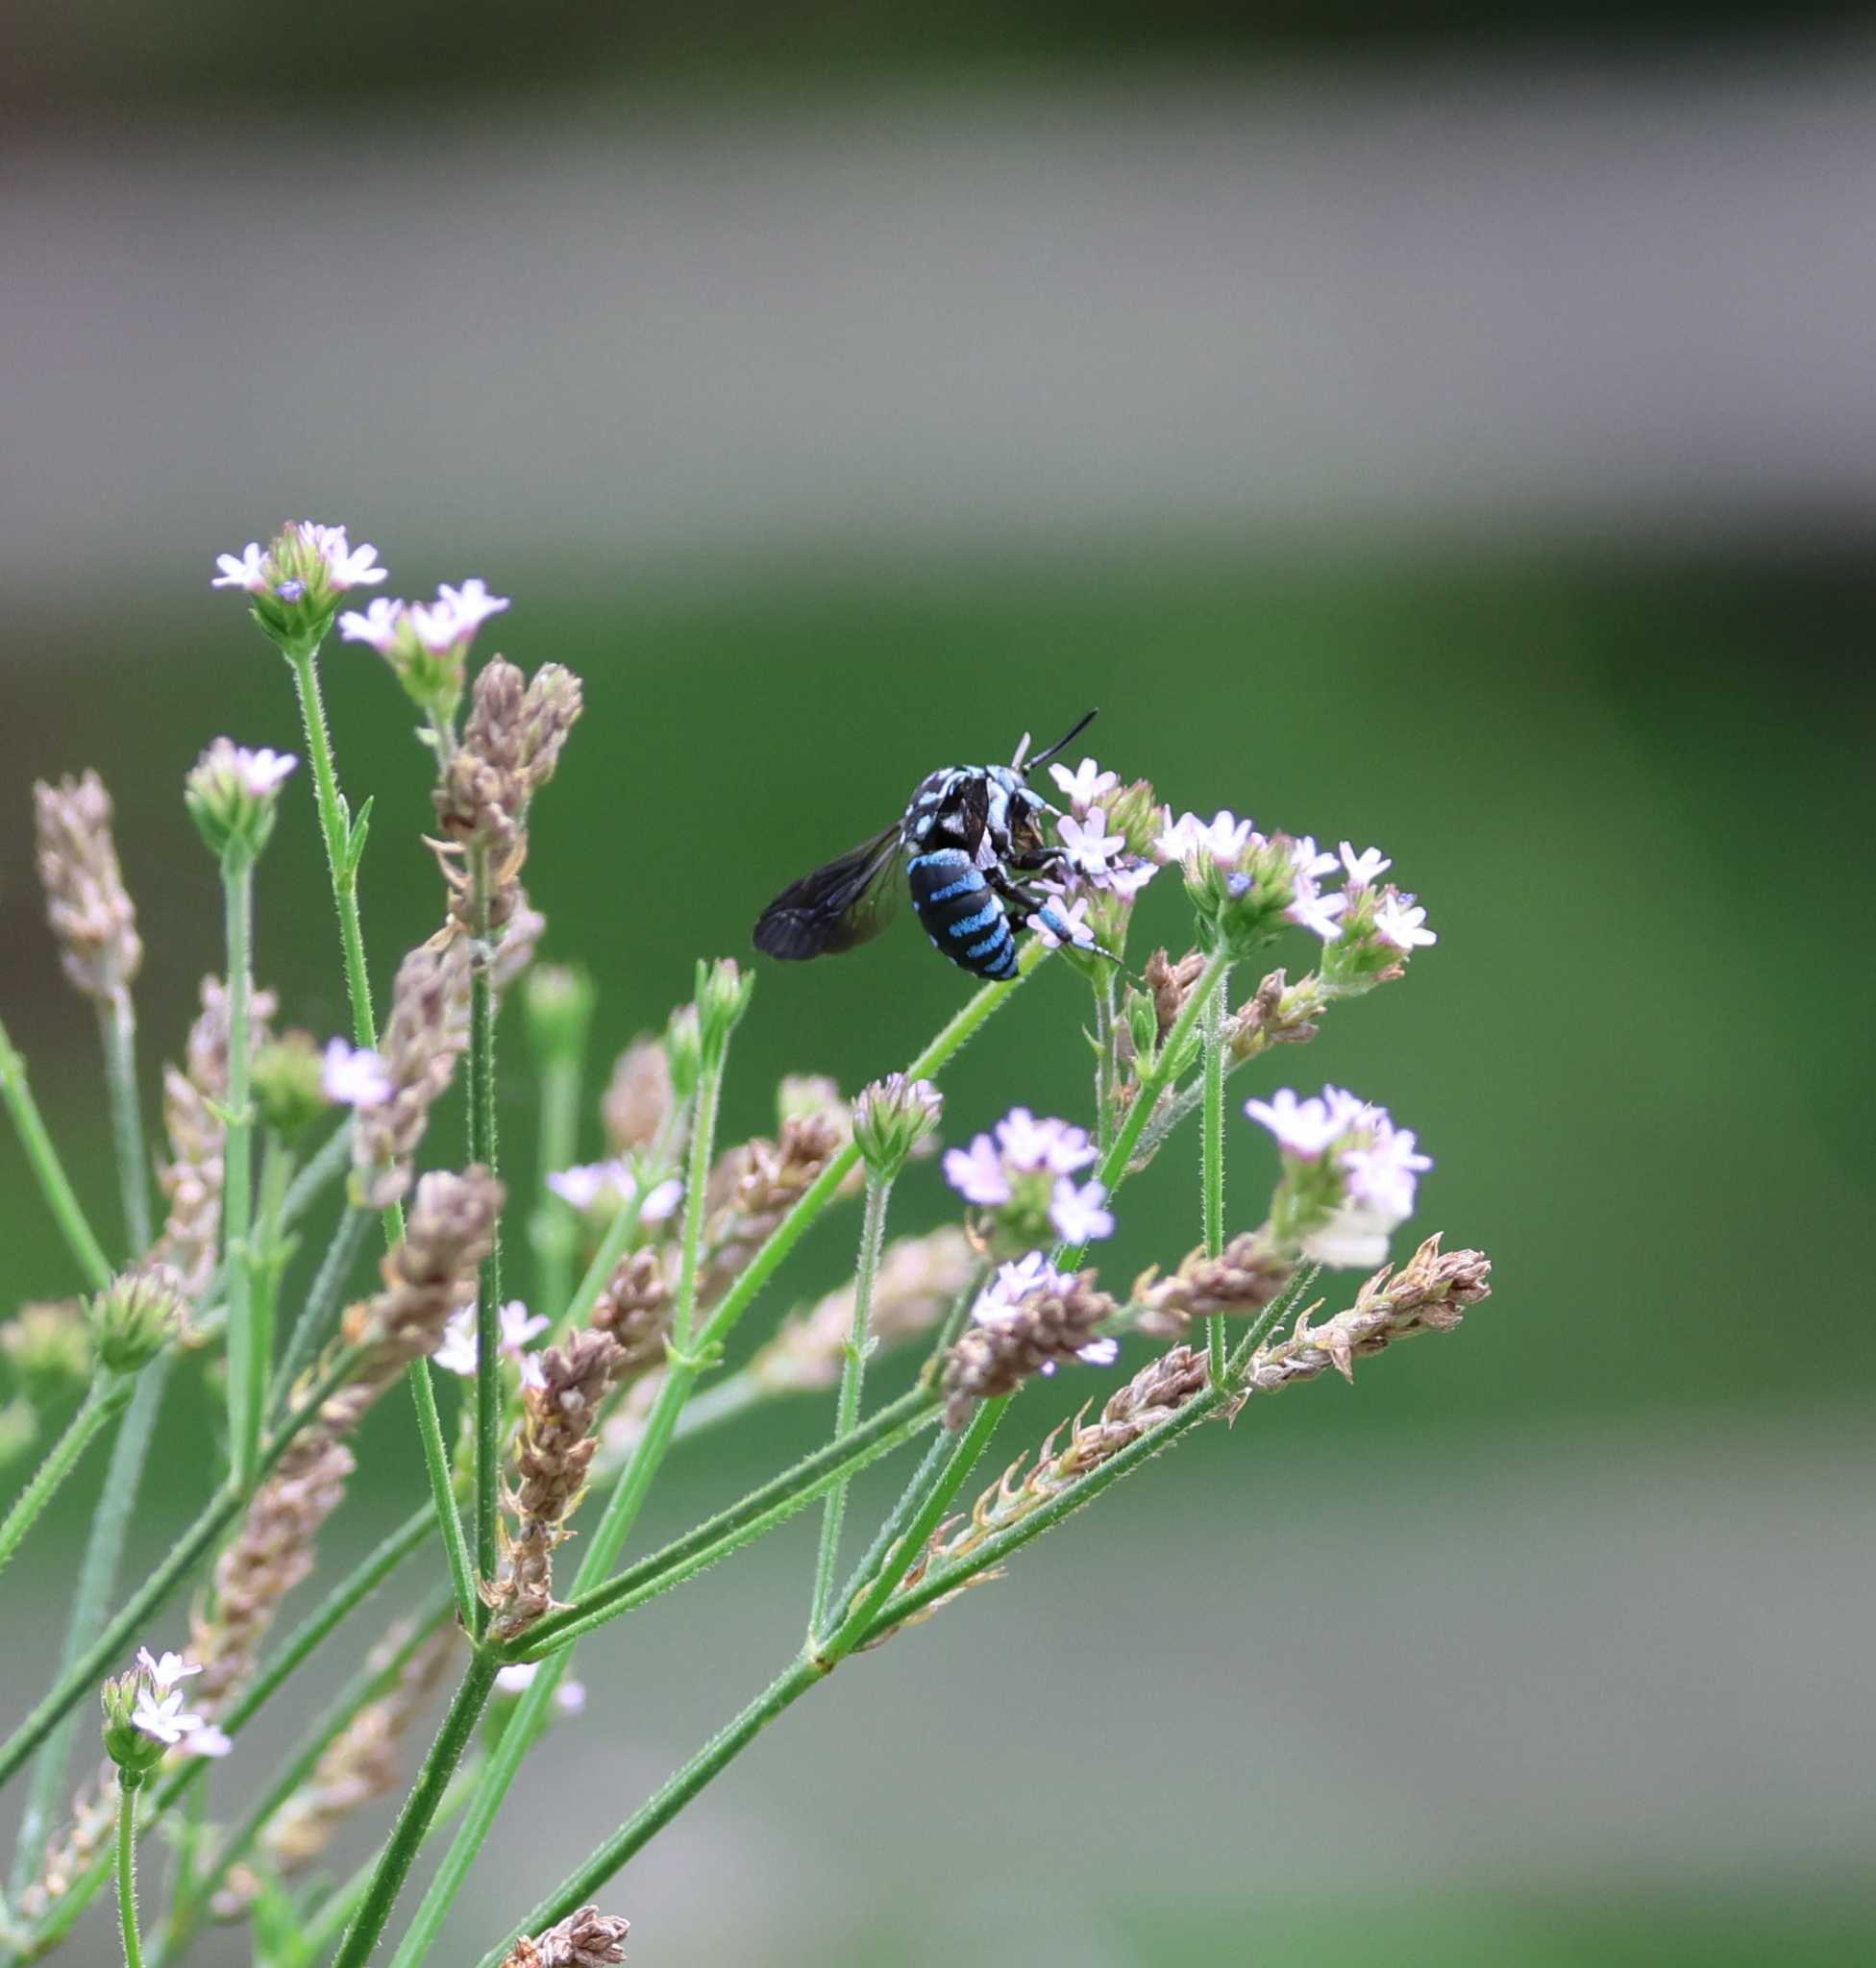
246,1358
97,1571
413,1821
335,825
321,1301
443,1495
82,1675
623,1506
127,1872
728,1531
554,1226
117,1030
1211,1157
703,1145
103,1398
1105,1058
47,1167
660,1809
846,1407
488,1299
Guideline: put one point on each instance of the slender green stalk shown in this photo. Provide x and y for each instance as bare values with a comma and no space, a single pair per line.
754,1517
1105,1058
413,1821
103,1398
443,1495
846,1407
127,1871
553,1226
488,1299
702,1147
1211,1156
83,1674
117,1030
663,1805
623,1506
342,848
246,1360
321,1301
47,1168
339,1605
97,1572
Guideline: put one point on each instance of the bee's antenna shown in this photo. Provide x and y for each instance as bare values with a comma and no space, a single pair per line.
1060,745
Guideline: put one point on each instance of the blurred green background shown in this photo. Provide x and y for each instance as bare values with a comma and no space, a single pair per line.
1544,1643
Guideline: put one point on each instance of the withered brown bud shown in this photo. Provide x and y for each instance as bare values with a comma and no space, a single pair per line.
1243,1278
1016,1336
1170,984
586,1939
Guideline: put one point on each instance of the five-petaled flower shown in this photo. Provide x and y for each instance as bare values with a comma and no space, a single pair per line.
615,1182
1364,867
353,1076
458,1351
166,1669
1079,1215
162,1717
1086,786
1304,1127
1398,923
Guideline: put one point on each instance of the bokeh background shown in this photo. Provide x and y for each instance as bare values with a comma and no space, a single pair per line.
1449,428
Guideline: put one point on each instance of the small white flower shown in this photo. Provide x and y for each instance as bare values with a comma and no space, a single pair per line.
166,1670
519,1326
1302,1127
517,1678
162,1717
1307,861
1078,1214
346,566
206,1741
1071,918
1312,910
583,1186
457,1353
977,1172
1381,1173
1086,786
1366,867
661,1201
1029,1145
249,570
472,602
1397,922
532,1374
264,772
1353,1239
1098,1352
353,1078
378,625
1224,837
570,1698
1015,1282
1088,844
1127,878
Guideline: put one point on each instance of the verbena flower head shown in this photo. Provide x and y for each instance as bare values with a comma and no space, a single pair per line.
1348,1176
232,795
1020,1177
1248,886
145,1716
1086,786
1381,927
1104,866
890,1117
722,993
426,643
288,1084
297,581
135,1317
602,1188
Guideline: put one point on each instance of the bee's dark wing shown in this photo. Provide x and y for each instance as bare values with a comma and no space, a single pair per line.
837,906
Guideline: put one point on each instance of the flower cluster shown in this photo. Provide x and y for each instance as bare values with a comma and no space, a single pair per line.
144,1716
1102,869
601,1189
297,580
426,643
458,1352
1029,1318
1348,1176
1025,1176
232,795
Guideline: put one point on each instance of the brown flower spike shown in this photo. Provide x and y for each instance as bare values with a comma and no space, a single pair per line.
85,901
586,1939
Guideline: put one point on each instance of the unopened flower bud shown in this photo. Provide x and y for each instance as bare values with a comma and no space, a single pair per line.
684,1049
134,1316
289,1084
1134,814
723,993
558,1000
890,1117
232,795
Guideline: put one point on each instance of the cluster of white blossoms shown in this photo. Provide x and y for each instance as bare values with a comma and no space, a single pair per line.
443,627
259,569
1349,1173
159,1713
1003,1301
457,1354
1093,859
611,1186
1026,1171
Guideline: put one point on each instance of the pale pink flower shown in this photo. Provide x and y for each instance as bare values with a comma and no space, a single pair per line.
1397,922
1366,867
353,1076
1086,786
1078,1214
248,570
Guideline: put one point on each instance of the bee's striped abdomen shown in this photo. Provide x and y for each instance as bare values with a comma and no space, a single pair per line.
961,913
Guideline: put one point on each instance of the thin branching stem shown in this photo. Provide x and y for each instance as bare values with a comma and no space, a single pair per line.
1211,1157
47,1170
847,1405
247,1360
117,1033
488,1298
104,1398
127,1872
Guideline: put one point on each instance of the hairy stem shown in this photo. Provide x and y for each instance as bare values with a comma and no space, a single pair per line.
103,1398
1211,1157
442,1496
1105,1058
117,1031
488,1297
247,1360
127,1872
413,1821
47,1168
846,1407
554,1226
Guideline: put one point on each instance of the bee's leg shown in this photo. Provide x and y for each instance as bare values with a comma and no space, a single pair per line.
1023,900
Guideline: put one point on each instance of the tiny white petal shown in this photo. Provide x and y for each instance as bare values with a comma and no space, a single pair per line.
1365,867
1401,925
353,1078
517,1677
206,1741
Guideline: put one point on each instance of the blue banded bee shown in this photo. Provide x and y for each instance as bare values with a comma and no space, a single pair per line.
964,847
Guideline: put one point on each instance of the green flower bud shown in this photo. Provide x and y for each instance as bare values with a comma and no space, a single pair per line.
890,1117
49,1342
232,795
288,1084
683,1048
123,1698
1134,814
558,1000
722,993
134,1316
